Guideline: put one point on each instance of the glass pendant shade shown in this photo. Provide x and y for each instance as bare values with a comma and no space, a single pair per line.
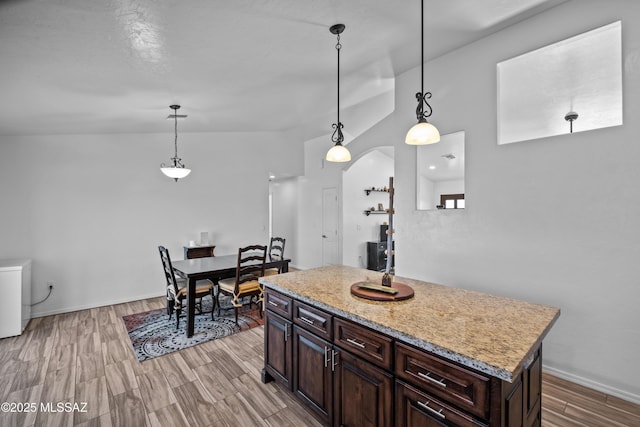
175,172
422,133
338,153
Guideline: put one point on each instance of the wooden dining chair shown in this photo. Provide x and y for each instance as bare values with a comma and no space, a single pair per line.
177,289
250,267
276,253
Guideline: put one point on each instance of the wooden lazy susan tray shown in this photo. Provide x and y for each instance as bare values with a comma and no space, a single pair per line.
376,292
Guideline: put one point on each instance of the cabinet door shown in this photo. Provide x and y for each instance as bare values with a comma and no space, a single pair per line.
363,393
415,408
277,348
312,378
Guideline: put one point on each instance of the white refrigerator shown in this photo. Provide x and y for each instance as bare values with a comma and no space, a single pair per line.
15,288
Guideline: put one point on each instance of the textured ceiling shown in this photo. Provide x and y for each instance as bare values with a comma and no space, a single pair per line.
90,66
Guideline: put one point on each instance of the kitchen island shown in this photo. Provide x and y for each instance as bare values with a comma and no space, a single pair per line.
446,356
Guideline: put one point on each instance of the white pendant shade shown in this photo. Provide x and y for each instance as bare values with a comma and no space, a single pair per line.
422,133
175,172
338,153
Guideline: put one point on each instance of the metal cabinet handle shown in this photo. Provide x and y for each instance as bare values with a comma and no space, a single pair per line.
273,303
428,377
334,361
433,411
304,319
286,331
356,343
326,356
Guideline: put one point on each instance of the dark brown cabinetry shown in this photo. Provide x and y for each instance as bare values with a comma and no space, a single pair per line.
278,344
278,349
339,387
314,360
191,252
363,393
351,375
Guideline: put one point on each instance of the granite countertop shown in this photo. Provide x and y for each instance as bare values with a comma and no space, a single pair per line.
492,334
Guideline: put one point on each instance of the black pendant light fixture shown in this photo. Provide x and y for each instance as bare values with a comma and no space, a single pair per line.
338,153
570,117
422,133
176,169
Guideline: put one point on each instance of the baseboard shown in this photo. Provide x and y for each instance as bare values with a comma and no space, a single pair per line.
612,391
89,306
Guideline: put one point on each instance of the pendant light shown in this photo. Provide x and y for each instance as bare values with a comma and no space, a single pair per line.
338,153
422,133
570,117
176,169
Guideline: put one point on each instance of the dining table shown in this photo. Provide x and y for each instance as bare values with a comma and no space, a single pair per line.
213,268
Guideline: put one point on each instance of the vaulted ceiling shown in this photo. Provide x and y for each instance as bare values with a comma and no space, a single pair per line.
112,66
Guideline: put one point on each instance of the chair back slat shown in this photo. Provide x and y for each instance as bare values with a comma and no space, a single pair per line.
250,266
276,249
169,274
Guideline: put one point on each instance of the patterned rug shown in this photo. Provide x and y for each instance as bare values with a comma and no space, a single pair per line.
154,334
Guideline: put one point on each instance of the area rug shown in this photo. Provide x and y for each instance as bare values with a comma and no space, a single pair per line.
154,334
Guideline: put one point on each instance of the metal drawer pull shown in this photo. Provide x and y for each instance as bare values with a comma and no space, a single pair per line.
356,343
441,383
304,319
334,361
273,303
326,356
433,411
286,331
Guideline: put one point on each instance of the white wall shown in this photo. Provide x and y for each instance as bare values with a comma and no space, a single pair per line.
371,170
285,214
553,221
91,210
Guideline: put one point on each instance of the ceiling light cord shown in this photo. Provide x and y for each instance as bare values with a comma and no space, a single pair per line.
421,96
175,130
337,136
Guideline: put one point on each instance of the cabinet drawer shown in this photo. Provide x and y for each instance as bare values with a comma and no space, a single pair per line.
416,408
369,345
452,383
312,319
278,303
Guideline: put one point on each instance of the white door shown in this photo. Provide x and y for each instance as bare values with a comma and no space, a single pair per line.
329,226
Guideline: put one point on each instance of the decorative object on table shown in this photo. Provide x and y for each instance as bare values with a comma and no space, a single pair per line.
176,169
338,153
396,291
376,292
153,334
423,132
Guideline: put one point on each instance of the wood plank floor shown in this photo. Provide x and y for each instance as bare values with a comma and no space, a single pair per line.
86,356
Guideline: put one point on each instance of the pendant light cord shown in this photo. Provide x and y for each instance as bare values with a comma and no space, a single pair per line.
337,136
175,128
338,46
422,96
422,46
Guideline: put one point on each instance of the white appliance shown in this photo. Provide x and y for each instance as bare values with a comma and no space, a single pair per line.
15,288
